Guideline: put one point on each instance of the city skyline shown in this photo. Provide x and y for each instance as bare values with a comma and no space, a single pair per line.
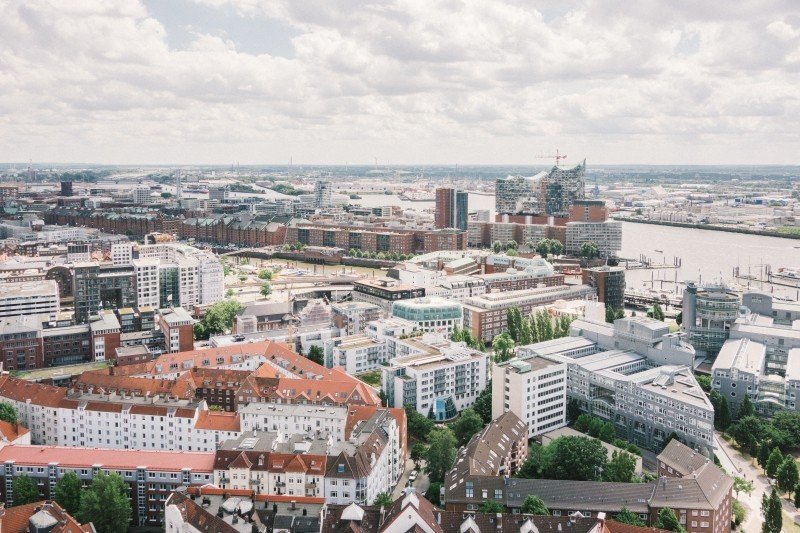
211,82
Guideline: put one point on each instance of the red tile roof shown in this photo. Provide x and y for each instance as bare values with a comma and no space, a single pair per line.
218,420
112,459
15,519
39,394
105,383
12,432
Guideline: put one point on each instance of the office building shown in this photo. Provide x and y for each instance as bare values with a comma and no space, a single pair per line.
29,298
141,196
452,209
431,314
355,353
122,253
178,328
219,194
147,282
635,374
485,316
534,389
351,317
384,292
438,377
609,282
708,314
100,286
606,235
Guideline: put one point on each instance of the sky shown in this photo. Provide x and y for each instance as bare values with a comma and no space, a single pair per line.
399,82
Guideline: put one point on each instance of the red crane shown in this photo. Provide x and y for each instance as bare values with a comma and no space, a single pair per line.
558,157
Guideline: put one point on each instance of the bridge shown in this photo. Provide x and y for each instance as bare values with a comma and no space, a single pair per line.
641,300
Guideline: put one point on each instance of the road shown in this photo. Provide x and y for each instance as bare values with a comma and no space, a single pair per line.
737,465
420,485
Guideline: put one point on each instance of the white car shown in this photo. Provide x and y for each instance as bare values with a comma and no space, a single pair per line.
412,476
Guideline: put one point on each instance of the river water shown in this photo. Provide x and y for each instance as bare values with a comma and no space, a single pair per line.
705,256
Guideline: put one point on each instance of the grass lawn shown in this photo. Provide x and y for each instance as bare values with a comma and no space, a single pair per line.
371,378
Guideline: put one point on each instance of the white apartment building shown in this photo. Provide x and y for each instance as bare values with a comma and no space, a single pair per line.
147,286
534,389
29,298
286,420
356,353
438,377
201,277
606,235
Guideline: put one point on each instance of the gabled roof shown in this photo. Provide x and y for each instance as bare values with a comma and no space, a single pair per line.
683,459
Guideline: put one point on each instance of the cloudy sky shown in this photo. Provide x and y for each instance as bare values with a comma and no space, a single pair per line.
406,81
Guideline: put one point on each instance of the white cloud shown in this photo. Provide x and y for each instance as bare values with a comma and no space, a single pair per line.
411,80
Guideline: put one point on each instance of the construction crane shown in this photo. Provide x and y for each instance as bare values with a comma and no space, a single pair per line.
558,157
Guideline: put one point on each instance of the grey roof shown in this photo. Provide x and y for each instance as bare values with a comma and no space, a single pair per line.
741,354
682,458
593,496
485,452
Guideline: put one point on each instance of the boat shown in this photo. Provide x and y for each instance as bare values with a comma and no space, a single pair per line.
660,251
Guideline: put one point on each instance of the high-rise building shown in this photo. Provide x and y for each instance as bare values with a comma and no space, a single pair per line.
609,281
323,191
66,188
564,186
141,195
105,286
28,298
452,209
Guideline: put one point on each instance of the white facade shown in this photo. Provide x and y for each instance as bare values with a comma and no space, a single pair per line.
147,284
294,419
29,298
534,389
200,272
356,354
122,253
439,376
141,195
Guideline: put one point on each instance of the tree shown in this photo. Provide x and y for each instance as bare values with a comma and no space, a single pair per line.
737,513
748,432
229,293
626,516
703,381
418,451
512,252
620,468
483,404
383,500
514,322
503,346
266,289
745,408
575,458
666,441
265,275
68,493
787,475
543,247
468,424
679,318
763,455
774,462
433,493
742,485
25,490
316,354
219,317
441,453
607,432
583,422
491,507
667,520
797,495
722,420
589,250
611,315
573,410
105,503
8,413
556,248
657,312
772,513
497,247
511,245
417,425
534,505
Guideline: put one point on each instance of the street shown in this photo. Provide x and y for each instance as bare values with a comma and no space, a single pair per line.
737,465
420,485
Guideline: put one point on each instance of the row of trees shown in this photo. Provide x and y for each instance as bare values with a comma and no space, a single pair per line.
578,459
385,256
218,319
465,336
782,468
595,427
538,327
105,502
498,246
547,247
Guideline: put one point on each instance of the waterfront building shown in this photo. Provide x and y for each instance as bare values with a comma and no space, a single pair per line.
609,282
29,298
708,314
564,185
607,235
141,196
438,377
384,292
323,191
430,314
520,195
